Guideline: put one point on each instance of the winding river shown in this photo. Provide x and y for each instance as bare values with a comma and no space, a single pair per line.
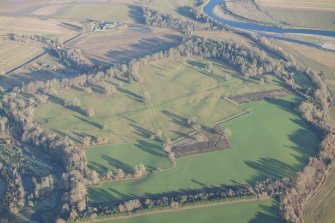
259,28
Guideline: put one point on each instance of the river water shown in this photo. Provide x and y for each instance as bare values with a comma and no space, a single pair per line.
209,10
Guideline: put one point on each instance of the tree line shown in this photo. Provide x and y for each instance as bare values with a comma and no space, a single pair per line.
260,189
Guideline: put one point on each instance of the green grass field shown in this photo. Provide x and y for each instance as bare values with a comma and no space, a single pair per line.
321,207
176,94
242,212
271,141
126,156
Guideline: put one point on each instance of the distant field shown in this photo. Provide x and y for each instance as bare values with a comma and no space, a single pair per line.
310,13
301,17
34,26
179,8
13,53
123,45
272,141
108,11
241,212
305,13
316,4
247,9
321,207
310,57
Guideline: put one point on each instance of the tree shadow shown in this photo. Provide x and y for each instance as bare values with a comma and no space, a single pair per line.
130,94
102,195
150,148
70,26
144,46
179,120
283,104
269,214
136,14
304,144
97,88
118,164
101,169
141,131
185,11
60,101
61,133
271,168
89,122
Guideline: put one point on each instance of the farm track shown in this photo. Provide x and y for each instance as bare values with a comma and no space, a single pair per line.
198,206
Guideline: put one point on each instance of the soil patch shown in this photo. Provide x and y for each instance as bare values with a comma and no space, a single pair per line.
203,142
258,96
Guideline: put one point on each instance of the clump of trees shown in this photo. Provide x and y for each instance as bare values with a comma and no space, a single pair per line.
158,19
4,130
72,57
193,123
14,198
89,112
222,131
43,186
109,90
146,97
72,103
140,170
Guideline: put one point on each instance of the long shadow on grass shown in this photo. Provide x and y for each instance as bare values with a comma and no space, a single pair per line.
143,47
150,148
97,88
268,214
136,14
283,104
118,164
141,131
89,122
184,11
101,169
179,120
63,134
60,101
104,195
304,144
271,168
130,94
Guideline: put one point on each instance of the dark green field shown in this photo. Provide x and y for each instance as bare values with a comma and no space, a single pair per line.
272,141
